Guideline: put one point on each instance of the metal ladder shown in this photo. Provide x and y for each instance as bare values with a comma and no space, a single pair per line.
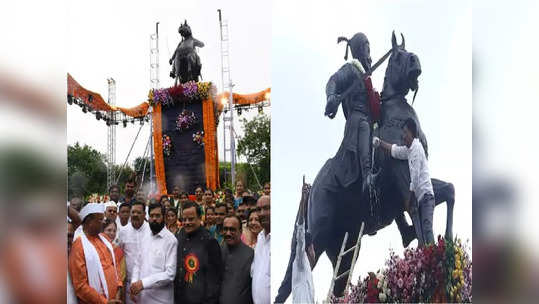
348,272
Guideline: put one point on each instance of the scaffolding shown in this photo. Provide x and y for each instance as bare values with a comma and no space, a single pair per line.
111,134
229,143
154,83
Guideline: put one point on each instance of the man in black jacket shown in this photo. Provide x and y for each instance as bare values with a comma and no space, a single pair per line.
237,257
200,266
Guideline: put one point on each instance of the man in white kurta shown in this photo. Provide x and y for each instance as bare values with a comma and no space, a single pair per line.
130,239
155,266
260,269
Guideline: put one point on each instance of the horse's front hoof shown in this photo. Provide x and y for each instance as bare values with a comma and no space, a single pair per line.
408,236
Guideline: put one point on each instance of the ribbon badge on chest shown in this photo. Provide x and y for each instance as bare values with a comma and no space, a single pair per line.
192,265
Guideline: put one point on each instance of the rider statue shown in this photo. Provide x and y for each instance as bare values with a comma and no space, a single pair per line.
351,87
186,61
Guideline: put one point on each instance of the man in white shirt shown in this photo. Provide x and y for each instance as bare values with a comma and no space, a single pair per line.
420,183
155,266
260,269
130,239
124,214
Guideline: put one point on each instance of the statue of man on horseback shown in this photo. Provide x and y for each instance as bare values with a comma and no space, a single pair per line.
347,87
340,198
185,61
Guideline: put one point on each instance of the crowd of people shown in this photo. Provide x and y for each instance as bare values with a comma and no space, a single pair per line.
204,247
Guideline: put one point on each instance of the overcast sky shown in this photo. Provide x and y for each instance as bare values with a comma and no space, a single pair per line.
112,39
305,54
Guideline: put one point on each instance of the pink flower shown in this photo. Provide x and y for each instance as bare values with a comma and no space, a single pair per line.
400,283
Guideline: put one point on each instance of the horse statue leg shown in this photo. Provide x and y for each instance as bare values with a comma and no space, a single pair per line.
445,192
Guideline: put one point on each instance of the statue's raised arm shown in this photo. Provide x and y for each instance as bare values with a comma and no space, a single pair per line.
198,43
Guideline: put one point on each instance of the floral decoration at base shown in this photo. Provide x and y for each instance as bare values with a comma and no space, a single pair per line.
437,273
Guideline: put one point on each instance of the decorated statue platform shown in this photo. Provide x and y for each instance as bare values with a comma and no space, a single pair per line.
185,136
184,120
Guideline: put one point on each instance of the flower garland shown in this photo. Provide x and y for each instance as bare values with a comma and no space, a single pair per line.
186,92
168,148
185,121
96,198
198,138
436,273
190,89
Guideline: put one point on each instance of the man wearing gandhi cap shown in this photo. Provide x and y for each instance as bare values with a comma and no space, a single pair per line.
111,210
92,264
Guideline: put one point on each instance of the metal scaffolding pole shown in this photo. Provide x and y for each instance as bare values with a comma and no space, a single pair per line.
111,134
229,145
154,82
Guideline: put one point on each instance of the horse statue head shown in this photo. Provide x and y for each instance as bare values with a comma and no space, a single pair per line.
185,30
402,72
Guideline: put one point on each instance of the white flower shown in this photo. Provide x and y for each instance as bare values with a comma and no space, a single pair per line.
388,292
382,297
385,284
379,286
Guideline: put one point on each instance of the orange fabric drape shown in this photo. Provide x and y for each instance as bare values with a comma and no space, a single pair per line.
158,149
137,111
210,144
244,99
98,103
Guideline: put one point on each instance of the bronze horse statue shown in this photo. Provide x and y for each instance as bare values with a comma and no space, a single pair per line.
186,62
330,214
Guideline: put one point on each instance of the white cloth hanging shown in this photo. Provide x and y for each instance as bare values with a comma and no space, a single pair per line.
96,275
302,277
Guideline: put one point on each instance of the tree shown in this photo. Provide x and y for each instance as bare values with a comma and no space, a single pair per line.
125,175
86,170
255,146
243,172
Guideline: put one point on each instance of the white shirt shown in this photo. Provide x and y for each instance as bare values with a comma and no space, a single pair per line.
130,240
119,223
156,267
420,182
260,269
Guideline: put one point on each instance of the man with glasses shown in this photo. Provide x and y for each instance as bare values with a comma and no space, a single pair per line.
237,258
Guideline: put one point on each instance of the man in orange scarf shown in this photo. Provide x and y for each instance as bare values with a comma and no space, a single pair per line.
92,265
